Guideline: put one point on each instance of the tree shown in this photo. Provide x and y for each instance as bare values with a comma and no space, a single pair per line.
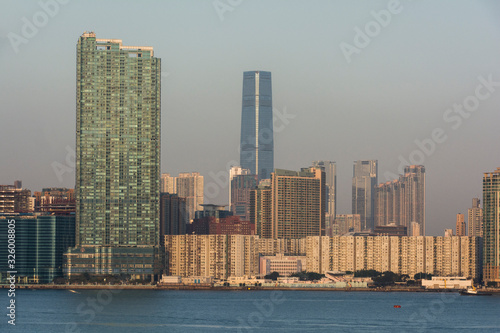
367,273
273,276
422,276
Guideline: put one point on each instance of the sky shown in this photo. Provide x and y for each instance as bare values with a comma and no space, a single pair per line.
402,82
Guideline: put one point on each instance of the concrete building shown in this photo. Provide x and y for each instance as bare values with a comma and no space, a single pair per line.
190,186
491,227
58,200
402,201
167,183
346,223
448,232
238,255
364,180
297,203
330,194
14,200
261,210
460,228
241,185
391,230
475,218
283,264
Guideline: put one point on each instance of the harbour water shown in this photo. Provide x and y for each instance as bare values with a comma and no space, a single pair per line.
249,311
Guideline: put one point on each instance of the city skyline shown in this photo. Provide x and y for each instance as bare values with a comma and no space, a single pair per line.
315,82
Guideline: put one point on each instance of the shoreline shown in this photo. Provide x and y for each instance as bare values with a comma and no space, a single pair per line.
234,288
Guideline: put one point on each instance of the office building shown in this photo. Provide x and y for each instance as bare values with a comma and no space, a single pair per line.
364,181
330,193
40,243
475,218
257,138
491,227
117,157
460,228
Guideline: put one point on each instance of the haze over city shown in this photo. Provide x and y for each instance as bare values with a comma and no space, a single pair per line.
370,104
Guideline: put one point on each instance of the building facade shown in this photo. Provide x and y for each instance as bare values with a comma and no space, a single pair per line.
257,138
14,199
402,201
297,203
173,215
117,149
190,186
240,191
330,193
475,218
491,227
345,223
261,210
167,183
236,256
460,228
364,180
40,241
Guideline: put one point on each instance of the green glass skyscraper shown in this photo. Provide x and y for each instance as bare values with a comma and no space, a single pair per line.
117,144
491,228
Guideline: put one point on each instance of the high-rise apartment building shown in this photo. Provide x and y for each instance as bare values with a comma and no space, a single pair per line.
460,228
167,184
241,186
330,194
414,180
402,201
364,180
117,152
261,210
475,219
491,227
190,186
257,138
297,203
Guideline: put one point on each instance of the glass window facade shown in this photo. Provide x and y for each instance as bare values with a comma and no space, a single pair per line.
117,144
257,138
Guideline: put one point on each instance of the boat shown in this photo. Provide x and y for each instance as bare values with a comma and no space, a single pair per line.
473,292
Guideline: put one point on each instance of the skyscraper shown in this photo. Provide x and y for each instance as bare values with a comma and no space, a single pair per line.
117,151
257,138
414,182
330,192
460,229
475,219
364,180
297,203
491,227
190,186
167,183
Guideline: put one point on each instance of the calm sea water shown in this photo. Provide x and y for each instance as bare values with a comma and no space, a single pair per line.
249,311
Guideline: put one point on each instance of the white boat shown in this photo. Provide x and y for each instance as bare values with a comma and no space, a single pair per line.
473,292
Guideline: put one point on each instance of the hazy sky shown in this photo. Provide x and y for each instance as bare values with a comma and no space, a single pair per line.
396,88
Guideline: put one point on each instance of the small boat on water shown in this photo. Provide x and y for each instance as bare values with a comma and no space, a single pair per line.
473,292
